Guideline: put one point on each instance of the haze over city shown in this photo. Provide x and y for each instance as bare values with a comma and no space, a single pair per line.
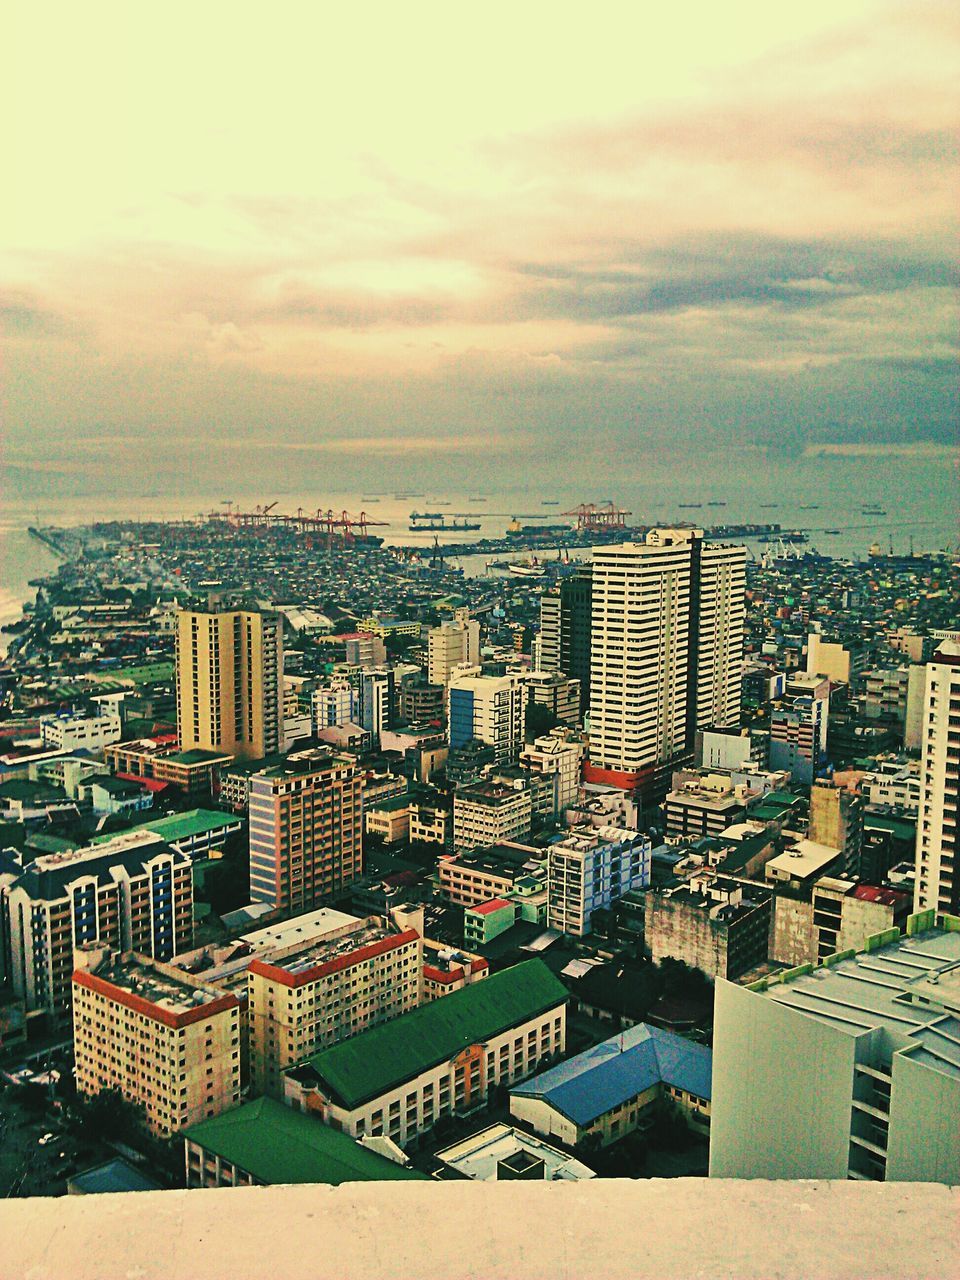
311,243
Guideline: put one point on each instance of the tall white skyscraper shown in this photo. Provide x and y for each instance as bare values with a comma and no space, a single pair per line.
937,884
666,656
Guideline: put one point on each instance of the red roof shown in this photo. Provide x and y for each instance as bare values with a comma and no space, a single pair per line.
495,904
150,784
873,893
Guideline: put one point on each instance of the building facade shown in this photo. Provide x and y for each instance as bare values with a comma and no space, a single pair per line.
229,670
589,869
306,831
488,709
937,878
169,1043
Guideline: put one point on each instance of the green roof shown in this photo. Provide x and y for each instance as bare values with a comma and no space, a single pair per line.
146,674
903,828
24,790
276,1144
180,826
196,756
50,844
368,1064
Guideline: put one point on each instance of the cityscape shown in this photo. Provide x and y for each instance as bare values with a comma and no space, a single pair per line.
480,643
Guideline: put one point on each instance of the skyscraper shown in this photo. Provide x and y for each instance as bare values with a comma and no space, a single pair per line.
229,669
667,642
565,630
937,884
305,831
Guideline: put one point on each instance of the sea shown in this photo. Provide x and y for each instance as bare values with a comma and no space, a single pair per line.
917,495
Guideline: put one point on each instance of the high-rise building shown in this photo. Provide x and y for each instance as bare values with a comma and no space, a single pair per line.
305,831
556,693
836,819
451,644
566,629
132,893
489,709
667,643
937,878
333,704
167,1041
377,695
229,669
798,738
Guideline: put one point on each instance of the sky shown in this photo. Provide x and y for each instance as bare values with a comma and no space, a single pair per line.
246,242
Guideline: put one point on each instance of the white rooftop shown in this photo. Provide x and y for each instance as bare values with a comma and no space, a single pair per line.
306,928
477,1156
803,859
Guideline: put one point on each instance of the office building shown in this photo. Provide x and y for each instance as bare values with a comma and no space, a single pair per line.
558,754
850,1069
667,651
566,629
306,825
488,709
74,731
589,869
556,693
132,893
442,1059
326,989
229,669
937,873
169,1043
333,703
376,700
613,1088
450,645
798,738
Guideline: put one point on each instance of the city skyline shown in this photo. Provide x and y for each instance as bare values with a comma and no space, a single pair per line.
309,248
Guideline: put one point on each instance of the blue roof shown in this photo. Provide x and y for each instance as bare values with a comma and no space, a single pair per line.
607,1075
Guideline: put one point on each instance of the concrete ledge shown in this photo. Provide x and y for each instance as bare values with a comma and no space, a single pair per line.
610,1230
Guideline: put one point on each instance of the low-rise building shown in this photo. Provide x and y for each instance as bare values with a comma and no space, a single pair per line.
711,922
196,773
504,1154
77,731
802,862
489,872
108,794
612,1089
264,1143
195,832
559,694
894,783
388,820
168,1043
430,823
442,1059
446,970
835,915
704,806
487,920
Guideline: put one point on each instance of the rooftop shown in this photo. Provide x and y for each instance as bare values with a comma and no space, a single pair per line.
164,988
599,1079
803,859
276,1144
368,1064
328,953
181,826
111,1176
487,908
478,1156
907,985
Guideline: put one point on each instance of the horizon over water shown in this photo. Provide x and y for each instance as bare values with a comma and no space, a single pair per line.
916,493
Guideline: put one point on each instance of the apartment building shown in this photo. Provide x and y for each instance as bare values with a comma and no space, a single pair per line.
229,672
132,893
333,987
559,694
589,869
557,754
478,875
194,773
334,703
306,830
169,1043
703,806
491,813
836,819
667,651
450,645
446,970
937,878
442,1059
798,738
566,630
893,783
846,1069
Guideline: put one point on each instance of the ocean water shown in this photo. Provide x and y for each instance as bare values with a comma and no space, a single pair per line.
918,495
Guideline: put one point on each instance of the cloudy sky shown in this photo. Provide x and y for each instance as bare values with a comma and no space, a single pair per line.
246,241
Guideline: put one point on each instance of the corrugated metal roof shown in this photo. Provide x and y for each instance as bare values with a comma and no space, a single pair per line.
607,1075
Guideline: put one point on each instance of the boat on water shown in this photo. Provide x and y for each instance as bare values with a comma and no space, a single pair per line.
425,515
716,504
549,502
527,570
788,536
437,524
809,506
872,511
831,531
689,506
769,506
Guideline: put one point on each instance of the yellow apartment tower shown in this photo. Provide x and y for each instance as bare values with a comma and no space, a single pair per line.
229,675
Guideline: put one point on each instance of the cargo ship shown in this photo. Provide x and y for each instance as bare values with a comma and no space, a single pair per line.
517,530
527,570
437,524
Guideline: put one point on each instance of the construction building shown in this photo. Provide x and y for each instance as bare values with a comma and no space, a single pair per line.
229,671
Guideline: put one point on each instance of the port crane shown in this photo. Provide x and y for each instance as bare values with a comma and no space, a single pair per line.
329,523
592,517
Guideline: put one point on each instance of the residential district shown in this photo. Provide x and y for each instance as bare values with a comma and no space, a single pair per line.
322,862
